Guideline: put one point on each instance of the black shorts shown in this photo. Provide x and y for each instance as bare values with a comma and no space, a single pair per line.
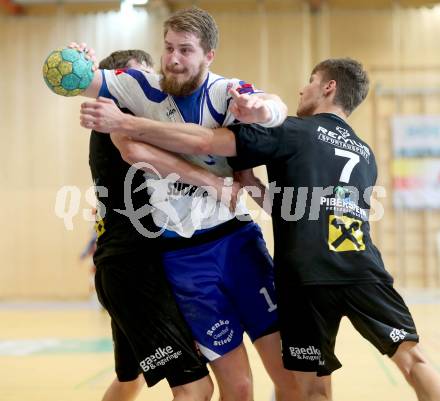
149,333
310,318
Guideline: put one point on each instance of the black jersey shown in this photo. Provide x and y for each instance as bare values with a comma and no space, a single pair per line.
117,234
321,175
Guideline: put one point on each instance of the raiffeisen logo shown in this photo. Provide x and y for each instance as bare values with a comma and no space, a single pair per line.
159,358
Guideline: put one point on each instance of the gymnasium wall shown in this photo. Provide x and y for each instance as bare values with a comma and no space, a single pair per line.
43,148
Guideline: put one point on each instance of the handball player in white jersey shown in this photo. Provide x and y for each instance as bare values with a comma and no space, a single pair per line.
216,260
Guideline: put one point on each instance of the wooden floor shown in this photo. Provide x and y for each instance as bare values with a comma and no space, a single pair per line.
62,352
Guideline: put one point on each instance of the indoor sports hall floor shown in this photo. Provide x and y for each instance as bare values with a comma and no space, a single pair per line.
63,352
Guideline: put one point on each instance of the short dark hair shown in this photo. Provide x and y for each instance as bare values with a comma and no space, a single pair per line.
120,58
352,81
196,21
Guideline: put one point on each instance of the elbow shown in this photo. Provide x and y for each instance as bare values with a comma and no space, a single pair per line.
202,143
131,155
202,147
127,154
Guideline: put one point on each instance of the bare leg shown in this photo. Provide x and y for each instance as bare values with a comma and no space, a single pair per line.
285,382
200,390
312,387
233,374
417,371
124,391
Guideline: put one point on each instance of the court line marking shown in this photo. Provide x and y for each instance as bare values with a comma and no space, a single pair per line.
95,377
382,364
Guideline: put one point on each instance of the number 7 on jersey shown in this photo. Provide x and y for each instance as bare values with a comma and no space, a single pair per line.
353,159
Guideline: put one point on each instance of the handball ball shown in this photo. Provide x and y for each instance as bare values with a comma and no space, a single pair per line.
67,72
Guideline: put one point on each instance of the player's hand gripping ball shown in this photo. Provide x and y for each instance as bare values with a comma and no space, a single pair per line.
68,72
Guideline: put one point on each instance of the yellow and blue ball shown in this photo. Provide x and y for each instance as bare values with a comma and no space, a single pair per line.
68,72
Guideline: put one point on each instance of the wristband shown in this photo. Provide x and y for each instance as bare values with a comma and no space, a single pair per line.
277,118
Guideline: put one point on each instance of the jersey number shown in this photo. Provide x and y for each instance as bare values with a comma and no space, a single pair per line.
353,159
269,301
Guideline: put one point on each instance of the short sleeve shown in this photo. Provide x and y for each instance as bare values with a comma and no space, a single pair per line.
258,146
132,89
241,87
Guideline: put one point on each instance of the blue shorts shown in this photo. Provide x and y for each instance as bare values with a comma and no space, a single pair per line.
223,288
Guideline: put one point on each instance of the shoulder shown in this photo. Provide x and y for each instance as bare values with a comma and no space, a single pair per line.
219,85
134,76
218,95
305,126
222,85
296,125
135,84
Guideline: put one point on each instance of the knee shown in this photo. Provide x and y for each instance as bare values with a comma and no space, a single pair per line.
286,383
240,389
319,388
312,387
407,356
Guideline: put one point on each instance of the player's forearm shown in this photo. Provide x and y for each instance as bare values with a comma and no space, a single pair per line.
104,116
175,137
256,189
166,163
183,138
259,196
95,86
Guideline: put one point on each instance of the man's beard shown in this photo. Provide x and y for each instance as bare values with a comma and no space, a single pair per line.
170,85
302,112
305,110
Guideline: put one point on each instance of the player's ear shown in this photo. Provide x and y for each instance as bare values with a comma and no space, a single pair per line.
330,87
209,57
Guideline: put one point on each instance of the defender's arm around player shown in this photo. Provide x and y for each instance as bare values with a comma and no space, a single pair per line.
165,162
140,326
186,138
106,116
217,308
189,92
317,284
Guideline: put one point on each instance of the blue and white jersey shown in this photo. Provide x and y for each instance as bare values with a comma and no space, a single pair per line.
179,207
